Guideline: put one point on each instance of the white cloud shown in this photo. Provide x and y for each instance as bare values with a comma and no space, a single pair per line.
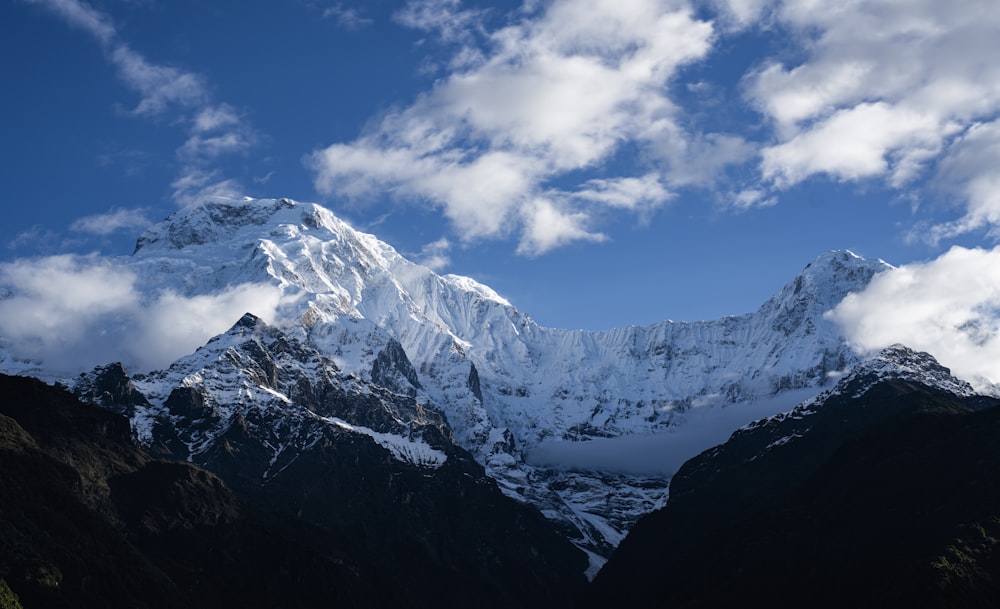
346,17
201,147
971,170
547,227
740,14
196,184
750,198
884,90
214,118
75,312
625,193
442,17
172,325
434,255
560,91
949,307
32,237
854,143
161,87
111,222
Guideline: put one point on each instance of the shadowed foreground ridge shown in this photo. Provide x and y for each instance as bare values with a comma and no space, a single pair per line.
883,492
88,520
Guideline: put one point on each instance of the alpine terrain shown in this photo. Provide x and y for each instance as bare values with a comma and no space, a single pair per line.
435,372
879,492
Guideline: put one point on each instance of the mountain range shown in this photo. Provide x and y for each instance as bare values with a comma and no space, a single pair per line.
439,376
530,403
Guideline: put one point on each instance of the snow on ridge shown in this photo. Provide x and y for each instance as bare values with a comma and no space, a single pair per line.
349,294
411,450
468,284
896,362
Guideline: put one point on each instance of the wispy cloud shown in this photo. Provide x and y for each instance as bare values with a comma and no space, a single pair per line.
215,129
434,255
444,18
33,236
498,143
348,18
195,184
112,221
83,16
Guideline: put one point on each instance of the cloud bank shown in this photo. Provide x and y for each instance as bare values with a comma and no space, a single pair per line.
949,307
75,312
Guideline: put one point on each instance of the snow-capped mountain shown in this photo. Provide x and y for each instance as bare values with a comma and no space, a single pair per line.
355,316
271,396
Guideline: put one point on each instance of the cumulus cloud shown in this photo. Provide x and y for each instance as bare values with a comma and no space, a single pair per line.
972,171
949,307
560,91
75,312
884,90
547,226
111,222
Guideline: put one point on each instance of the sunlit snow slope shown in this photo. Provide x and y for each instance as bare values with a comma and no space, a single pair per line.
511,390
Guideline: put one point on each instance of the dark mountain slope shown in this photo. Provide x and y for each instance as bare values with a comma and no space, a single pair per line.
884,493
376,470
88,520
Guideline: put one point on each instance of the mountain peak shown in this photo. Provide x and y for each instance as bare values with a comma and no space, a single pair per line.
840,268
900,363
212,220
825,281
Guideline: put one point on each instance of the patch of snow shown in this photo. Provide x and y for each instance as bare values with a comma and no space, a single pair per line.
405,449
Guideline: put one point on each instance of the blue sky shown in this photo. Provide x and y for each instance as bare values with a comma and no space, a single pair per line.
598,162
